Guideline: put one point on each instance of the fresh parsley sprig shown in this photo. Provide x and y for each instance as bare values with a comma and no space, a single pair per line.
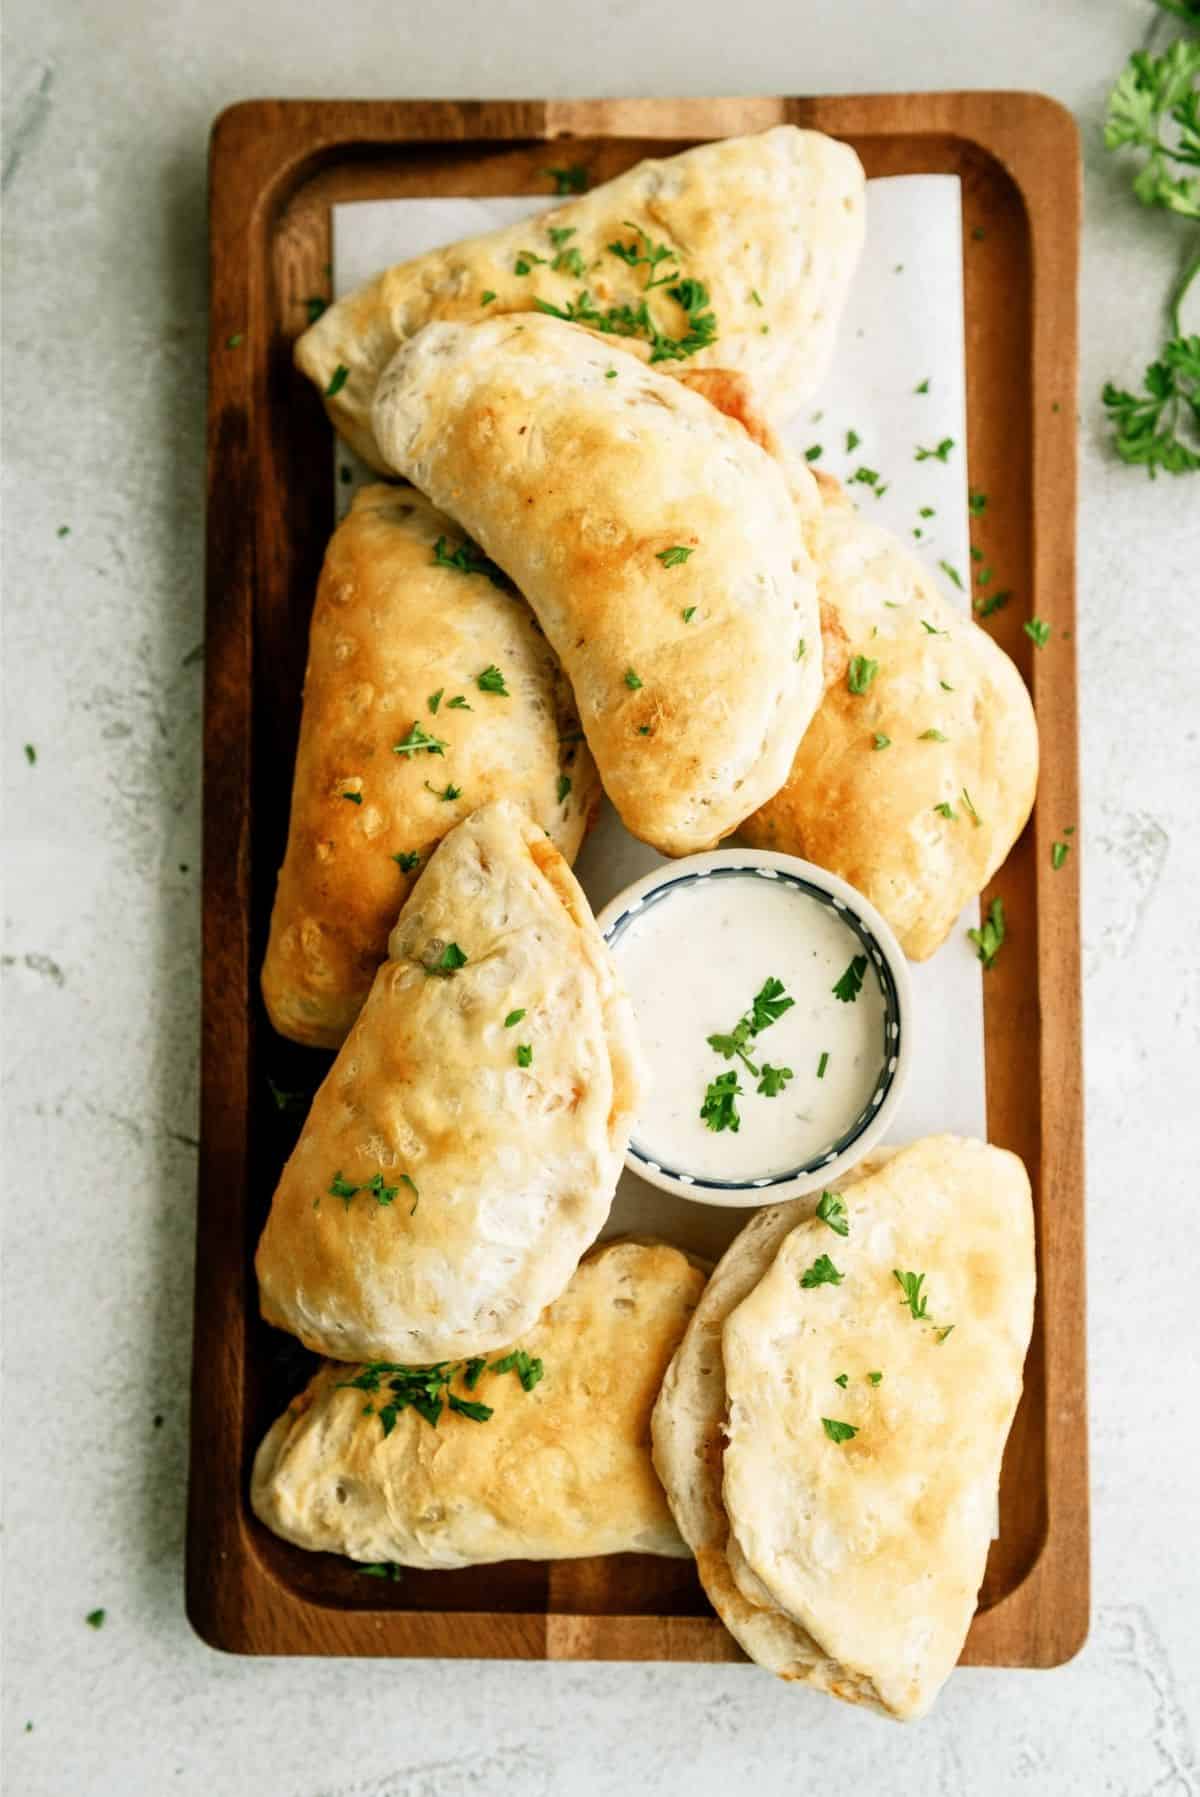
426,1389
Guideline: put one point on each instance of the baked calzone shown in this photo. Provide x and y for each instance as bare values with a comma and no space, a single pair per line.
430,691
541,1452
872,1375
737,254
663,550
464,1148
918,771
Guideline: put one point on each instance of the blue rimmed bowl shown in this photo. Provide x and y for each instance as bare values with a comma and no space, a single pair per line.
835,1158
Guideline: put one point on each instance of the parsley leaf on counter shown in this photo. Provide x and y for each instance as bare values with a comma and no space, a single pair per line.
95,1618
31,754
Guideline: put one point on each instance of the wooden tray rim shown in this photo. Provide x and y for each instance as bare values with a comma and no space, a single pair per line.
257,147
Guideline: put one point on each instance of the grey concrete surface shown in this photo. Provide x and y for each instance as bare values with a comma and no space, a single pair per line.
107,108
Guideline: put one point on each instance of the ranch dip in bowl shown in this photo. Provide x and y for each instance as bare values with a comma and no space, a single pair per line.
774,1008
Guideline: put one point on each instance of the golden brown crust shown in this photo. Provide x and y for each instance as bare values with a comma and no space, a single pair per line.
868,813
665,554
772,224
390,628
558,1471
495,1168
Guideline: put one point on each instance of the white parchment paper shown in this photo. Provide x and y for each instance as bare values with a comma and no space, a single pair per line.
902,331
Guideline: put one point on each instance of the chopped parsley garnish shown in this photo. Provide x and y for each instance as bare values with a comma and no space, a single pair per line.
1037,631
572,179
832,1211
458,703
427,1388
31,754
927,511
355,798
910,1284
946,809
852,441
315,306
922,386
382,1194
447,792
989,939
932,629
492,681
645,252
1058,854
932,736
468,558
95,1618
486,298
240,337
418,740
688,613
881,741
768,1006
719,1110
997,602
978,234
673,557
755,296
382,1569
843,1379
564,787
940,454
449,961
407,859
822,1064
610,374
943,1333
945,686
875,1378
513,1017
813,453
860,673
340,376
632,680
822,1272
953,574
526,260
478,1413
838,1431
528,1370
524,1054
848,987
412,1186
866,477
970,806
636,321
798,653
976,503
773,1080
435,699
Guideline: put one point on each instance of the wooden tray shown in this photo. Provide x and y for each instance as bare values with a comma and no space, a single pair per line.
276,168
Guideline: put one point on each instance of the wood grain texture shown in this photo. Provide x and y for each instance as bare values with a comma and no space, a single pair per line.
276,168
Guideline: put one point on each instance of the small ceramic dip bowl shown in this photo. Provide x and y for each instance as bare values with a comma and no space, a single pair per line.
775,1008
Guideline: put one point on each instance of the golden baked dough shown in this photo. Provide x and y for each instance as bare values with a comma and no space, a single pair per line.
557,1471
875,1543
771,225
464,1148
399,638
868,813
689,1442
664,552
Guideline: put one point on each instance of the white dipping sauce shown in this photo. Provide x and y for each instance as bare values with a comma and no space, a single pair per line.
692,963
